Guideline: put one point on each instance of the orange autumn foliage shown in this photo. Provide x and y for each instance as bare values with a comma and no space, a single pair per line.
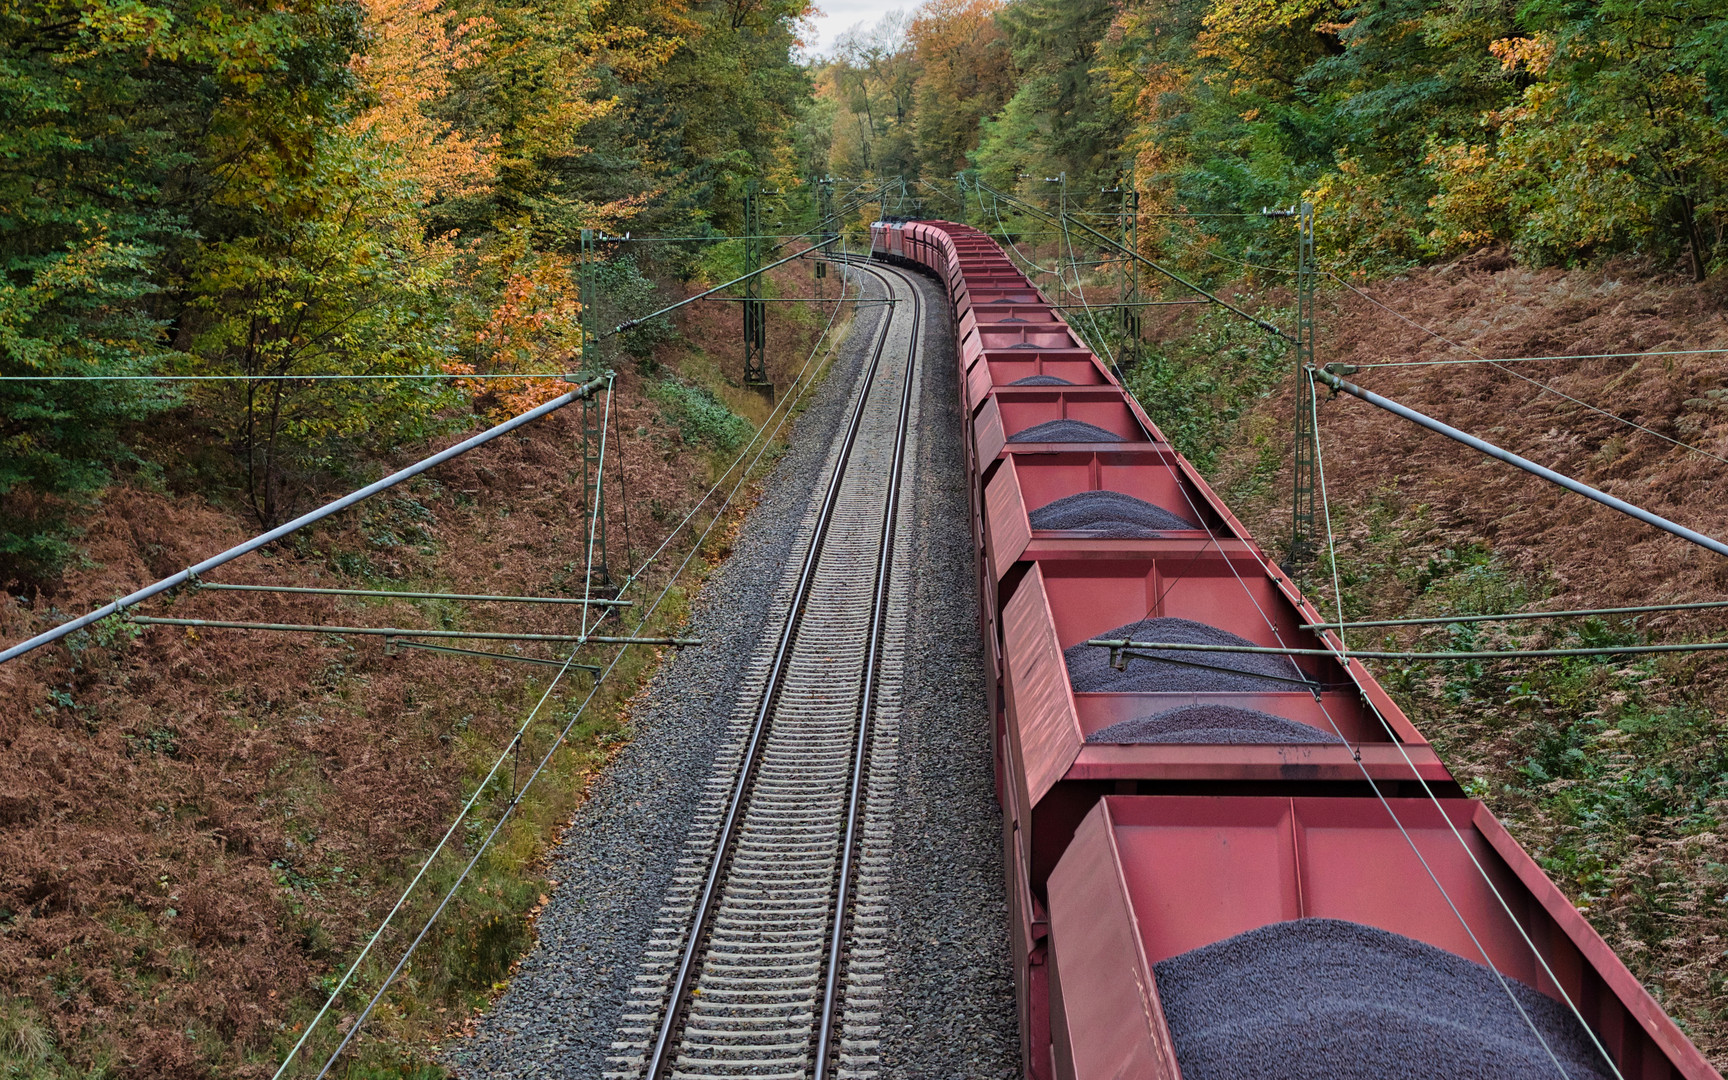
412,54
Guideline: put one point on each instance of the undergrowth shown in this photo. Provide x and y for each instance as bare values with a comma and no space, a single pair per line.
1197,386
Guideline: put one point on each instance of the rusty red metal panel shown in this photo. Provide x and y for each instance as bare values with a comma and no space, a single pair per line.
1048,730
1112,1022
987,434
1007,530
977,385
1197,870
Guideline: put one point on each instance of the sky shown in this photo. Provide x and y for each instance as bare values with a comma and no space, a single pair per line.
838,16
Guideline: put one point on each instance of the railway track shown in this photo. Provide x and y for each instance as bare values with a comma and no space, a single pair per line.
766,958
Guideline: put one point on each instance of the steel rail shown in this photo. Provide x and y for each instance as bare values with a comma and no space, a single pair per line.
300,522
660,1055
1486,447
799,387
389,594
861,751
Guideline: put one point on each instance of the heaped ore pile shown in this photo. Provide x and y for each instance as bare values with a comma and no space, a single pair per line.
1176,670
1213,725
1326,999
1109,514
1065,431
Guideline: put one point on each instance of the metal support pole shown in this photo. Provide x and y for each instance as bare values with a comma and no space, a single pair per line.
587,294
593,484
1128,277
594,494
1302,542
1526,464
755,313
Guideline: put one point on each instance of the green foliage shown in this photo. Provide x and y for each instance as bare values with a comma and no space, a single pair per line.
626,293
700,417
1196,388
1419,128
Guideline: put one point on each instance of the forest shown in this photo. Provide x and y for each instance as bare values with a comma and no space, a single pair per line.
395,187
254,255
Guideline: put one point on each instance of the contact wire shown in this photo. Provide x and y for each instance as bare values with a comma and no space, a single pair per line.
1320,476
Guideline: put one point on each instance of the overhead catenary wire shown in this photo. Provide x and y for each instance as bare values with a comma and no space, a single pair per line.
1392,813
1126,645
450,650
298,523
790,403
1375,787
1524,463
1172,275
1446,620
583,638
319,377
1338,641
630,324
1480,359
217,586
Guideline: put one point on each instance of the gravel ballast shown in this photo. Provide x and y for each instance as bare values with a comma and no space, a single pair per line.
1211,725
562,1009
1065,431
948,965
1110,514
1326,999
1090,671
1041,380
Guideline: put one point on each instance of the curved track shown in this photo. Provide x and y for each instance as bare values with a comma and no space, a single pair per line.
767,949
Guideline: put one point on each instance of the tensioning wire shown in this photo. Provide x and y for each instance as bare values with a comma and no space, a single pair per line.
274,378
1343,655
1478,359
1520,375
1380,796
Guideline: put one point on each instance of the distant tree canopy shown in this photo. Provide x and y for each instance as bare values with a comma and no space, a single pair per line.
206,187
1568,130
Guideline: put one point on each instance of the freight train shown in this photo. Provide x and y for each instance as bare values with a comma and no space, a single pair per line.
1225,864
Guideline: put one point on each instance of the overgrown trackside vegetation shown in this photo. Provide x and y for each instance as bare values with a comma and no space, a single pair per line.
198,829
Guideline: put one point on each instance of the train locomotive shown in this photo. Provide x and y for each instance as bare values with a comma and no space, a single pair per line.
1225,863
